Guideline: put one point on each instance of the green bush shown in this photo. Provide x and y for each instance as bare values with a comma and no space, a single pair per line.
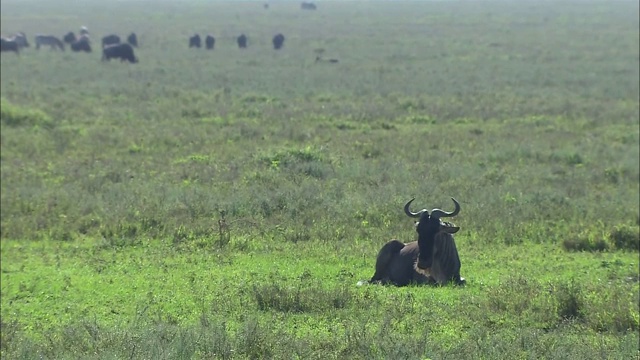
12,115
583,243
625,238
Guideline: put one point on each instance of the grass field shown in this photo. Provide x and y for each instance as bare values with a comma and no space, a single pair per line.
224,204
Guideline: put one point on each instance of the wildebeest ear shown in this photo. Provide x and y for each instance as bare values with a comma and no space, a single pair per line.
449,228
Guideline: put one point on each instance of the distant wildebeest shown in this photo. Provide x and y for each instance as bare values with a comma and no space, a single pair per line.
20,38
209,42
7,44
84,30
133,39
278,41
265,5
82,44
320,59
433,259
50,40
195,41
242,41
123,51
308,6
111,39
69,38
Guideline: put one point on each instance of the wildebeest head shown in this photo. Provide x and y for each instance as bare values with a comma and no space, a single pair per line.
133,39
428,227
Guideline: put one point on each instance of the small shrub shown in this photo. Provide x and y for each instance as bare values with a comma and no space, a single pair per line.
9,331
626,238
570,300
299,299
585,242
12,115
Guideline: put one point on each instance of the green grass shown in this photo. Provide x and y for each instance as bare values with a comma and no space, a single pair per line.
224,204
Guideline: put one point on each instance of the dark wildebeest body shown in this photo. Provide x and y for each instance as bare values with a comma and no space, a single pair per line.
133,39
242,41
433,259
110,40
123,51
209,42
21,39
9,45
308,6
50,40
70,38
195,41
82,44
278,41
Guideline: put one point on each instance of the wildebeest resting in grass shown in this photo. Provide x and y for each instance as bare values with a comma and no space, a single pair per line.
432,259
195,41
82,44
50,40
123,51
209,42
133,39
110,40
278,41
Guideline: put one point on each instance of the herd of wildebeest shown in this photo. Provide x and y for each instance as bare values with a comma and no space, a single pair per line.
114,48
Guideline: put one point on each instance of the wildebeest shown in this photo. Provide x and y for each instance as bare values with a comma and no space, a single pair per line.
20,39
50,40
432,259
278,41
209,42
81,44
123,51
133,39
7,44
195,41
242,41
70,38
308,6
265,5
84,30
111,39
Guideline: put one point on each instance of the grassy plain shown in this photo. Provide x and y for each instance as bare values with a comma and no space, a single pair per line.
224,204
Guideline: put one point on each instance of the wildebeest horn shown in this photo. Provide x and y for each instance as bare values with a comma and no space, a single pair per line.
412,214
437,213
